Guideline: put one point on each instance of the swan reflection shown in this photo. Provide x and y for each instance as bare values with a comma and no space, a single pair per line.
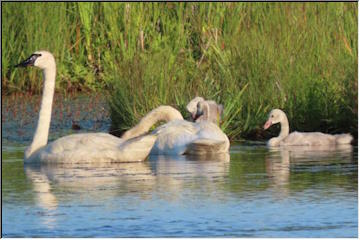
97,182
44,197
281,161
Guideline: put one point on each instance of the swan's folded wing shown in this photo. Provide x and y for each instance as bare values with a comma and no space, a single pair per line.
206,146
96,147
136,149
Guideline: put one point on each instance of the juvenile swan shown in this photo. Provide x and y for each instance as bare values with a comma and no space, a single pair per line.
179,136
84,147
301,138
213,110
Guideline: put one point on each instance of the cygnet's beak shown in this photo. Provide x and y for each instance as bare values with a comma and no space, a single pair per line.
267,124
193,116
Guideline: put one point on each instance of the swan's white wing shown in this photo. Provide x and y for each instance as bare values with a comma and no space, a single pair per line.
173,137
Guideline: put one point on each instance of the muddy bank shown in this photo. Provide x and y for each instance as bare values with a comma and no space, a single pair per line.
70,114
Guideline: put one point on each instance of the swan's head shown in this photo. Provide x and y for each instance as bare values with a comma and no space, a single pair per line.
205,110
200,108
193,106
209,111
275,116
40,59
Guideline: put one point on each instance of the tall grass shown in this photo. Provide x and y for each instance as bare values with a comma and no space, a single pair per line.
301,57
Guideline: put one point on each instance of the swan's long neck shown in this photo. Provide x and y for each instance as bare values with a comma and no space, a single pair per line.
42,130
284,132
162,113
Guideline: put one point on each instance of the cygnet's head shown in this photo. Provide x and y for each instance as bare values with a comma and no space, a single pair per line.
275,116
209,111
200,107
40,59
192,106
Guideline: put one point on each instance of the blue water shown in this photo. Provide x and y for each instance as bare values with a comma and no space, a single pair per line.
255,193
252,192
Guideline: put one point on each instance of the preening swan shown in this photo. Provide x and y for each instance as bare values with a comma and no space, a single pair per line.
301,138
205,110
76,148
179,136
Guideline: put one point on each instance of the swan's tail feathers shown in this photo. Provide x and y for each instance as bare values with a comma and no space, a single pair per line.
343,138
206,146
138,148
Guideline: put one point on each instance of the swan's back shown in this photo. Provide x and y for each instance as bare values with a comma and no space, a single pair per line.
182,137
94,147
173,137
210,130
309,139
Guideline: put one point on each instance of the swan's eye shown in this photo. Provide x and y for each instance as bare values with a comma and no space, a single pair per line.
272,116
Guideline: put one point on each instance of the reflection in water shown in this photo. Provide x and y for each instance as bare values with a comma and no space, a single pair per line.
45,198
100,181
84,181
279,161
177,174
260,192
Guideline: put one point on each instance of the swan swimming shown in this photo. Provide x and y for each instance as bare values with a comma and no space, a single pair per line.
213,114
76,148
301,138
178,136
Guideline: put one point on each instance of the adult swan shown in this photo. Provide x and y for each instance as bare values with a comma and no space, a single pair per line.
178,136
76,148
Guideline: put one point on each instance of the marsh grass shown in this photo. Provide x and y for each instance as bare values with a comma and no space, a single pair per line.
251,57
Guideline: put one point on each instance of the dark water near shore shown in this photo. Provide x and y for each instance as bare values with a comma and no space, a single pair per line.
252,192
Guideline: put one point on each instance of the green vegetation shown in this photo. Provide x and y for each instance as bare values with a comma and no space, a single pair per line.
301,57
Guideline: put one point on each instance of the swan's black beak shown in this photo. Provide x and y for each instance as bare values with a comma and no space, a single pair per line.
29,61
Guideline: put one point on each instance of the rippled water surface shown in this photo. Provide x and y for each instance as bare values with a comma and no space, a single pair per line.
253,192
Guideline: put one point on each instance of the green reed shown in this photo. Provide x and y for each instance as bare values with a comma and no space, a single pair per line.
251,57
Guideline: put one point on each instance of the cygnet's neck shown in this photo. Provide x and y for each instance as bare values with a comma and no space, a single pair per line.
284,132
206,111
42,130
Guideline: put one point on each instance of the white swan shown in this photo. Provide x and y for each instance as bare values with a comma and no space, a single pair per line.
179,136
301,138
85,147
213,113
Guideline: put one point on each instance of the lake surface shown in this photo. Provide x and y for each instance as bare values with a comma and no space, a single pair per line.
251,192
